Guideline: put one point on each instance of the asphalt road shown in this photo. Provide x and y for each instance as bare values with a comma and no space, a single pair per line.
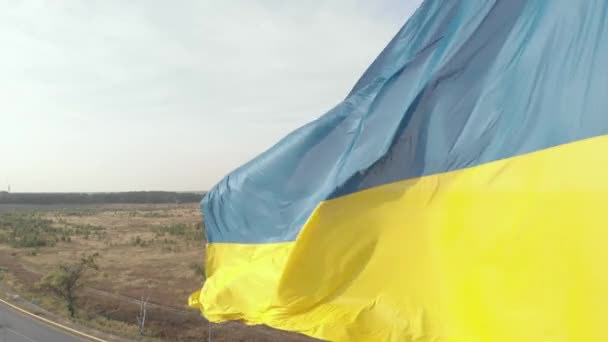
18,327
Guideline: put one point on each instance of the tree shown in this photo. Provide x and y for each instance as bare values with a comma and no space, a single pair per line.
66,281
141,317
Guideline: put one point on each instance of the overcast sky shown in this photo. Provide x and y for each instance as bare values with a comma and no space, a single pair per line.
171,95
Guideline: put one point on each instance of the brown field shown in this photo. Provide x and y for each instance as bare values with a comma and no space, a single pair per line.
144,249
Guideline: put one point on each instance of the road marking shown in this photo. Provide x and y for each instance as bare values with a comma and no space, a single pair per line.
19,334
61,326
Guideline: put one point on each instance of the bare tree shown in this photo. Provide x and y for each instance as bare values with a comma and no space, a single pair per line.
68,279
141,317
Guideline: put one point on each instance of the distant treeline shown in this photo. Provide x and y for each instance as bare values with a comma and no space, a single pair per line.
135,197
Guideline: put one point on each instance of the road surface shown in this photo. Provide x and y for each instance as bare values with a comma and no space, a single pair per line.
19,327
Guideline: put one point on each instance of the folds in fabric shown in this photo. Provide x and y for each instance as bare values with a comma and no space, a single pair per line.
456,194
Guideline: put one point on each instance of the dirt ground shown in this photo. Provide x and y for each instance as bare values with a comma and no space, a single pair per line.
144,250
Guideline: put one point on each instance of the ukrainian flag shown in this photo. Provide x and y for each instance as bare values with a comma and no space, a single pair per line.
458,193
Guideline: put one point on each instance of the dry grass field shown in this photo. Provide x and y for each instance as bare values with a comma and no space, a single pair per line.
154,250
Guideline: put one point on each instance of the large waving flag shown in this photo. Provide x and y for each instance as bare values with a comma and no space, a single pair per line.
459,192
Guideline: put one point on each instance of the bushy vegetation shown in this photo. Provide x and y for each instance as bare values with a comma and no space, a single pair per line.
169,236
79,212
188,232
135,197
155,214
26,230
30,230
138,241
198,270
